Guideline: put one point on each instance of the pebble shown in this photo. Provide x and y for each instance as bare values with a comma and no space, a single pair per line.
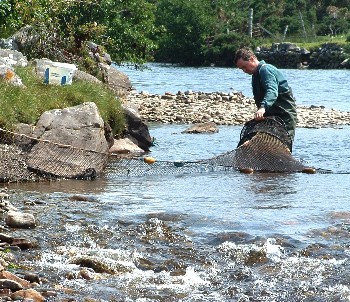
222,108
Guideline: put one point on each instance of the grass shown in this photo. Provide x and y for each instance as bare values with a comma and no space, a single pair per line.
25,105
312,43
317,42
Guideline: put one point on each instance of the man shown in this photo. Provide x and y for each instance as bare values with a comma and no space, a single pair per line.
272,95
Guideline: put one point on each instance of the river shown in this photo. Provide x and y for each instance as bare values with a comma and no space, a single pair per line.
210,236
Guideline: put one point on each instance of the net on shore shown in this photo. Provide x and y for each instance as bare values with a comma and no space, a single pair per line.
49,159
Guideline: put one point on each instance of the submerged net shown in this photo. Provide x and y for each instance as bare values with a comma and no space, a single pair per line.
264,146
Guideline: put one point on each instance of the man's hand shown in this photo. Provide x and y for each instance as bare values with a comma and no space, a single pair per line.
259,115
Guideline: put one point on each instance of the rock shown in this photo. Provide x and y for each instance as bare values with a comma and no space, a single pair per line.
3,196
86,274
116,80
32,278
125,146
7,43
137,130
288,55
80,126
81,130
5,205
28,295
102,265
10,284
25,39
4,293
84,76
7,74
6,238
22,243
83,198
48,294
20,220
12,58
236,111
208,127
10,276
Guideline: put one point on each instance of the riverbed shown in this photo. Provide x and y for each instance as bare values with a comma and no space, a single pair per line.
206,236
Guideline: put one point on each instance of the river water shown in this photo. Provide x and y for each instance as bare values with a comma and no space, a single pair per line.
211,236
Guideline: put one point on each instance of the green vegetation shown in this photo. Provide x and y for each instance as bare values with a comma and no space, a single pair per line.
25,105
191,32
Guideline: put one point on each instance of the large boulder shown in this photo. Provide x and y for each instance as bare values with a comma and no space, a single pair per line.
118,81
136,129
8,60
70,143
12,58
25,39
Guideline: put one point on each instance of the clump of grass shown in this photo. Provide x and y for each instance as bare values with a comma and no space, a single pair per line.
25,105
313,43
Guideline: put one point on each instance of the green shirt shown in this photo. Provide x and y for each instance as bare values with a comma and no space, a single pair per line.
268,82
271,91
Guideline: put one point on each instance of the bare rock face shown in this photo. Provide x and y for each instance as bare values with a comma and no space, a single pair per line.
12,58
116,80
70,143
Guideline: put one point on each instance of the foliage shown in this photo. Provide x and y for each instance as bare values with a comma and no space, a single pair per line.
25,105
124,28
130,26
185,24
223,47
226,26
191,32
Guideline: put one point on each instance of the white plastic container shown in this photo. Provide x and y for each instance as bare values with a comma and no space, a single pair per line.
59,73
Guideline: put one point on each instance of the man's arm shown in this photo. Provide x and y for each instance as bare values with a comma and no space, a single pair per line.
269,82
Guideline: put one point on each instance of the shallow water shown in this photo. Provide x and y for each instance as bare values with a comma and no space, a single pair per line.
211,236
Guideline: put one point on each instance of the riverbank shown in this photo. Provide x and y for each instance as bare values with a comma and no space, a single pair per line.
221,108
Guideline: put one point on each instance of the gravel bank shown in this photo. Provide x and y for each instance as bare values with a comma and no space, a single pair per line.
221,108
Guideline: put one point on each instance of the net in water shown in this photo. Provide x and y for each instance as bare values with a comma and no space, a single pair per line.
264,146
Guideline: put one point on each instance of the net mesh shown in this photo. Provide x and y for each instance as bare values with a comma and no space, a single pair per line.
263,146
32,156
65,161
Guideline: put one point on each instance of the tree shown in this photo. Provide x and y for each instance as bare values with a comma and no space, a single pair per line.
186,24
130,30
124,27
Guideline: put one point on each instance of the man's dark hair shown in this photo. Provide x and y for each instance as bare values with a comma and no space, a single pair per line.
244,53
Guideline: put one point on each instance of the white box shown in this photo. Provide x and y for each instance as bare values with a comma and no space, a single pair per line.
59,73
